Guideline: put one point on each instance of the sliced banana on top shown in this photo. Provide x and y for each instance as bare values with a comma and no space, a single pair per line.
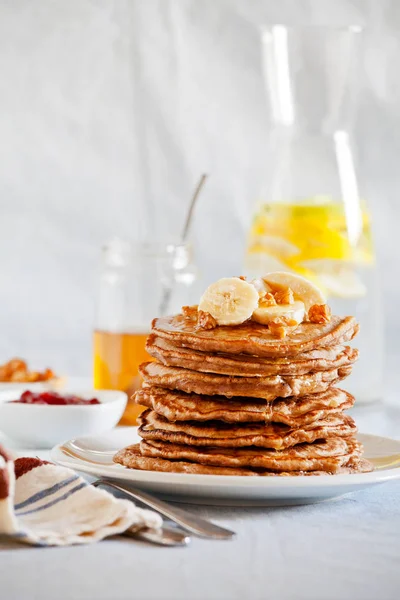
261,286
230,300
266,314
303,290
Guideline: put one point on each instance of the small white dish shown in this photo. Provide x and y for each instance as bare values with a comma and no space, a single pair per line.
43,426
229,489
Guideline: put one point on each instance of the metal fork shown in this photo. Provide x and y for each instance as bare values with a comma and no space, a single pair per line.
164,536
189,522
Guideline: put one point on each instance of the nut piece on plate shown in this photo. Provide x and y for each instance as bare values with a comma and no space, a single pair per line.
16,370
205,320
319,313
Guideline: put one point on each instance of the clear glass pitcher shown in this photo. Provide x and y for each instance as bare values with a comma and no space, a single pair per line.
137,283
312,217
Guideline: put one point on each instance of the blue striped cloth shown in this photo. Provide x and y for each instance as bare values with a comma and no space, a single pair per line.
48,505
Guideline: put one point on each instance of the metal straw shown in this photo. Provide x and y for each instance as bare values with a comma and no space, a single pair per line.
167,292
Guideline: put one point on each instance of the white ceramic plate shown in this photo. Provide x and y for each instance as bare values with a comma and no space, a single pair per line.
233,490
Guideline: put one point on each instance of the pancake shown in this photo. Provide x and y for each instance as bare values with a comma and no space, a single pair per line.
236,400
269,388
255,339
329,455
295,412
322,359
132,458
216,433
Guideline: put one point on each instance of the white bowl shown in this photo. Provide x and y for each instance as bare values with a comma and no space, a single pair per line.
43,426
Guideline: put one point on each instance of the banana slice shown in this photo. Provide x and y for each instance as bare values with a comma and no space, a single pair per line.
266,314
231,301
261,286
302,289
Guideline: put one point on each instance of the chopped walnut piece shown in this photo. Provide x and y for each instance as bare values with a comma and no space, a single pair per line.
281,326
267,300
319,313
277,329
205,320
242,277
190,312
284,296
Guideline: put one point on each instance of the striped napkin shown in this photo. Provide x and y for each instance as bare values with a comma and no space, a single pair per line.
48,505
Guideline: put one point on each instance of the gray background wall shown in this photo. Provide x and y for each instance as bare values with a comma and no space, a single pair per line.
110,110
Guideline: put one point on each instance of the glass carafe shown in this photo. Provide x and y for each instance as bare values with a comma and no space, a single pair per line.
138,282
312,217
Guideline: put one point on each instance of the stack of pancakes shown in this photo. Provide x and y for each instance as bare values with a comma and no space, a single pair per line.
238,401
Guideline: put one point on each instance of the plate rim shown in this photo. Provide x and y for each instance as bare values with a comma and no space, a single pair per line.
208,480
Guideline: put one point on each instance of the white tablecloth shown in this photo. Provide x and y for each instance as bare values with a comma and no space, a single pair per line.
348,549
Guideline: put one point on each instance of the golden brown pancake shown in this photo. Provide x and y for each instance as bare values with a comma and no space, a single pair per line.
322,359
239,401
293,411
329,455
269,388
132,458
227,435
255,339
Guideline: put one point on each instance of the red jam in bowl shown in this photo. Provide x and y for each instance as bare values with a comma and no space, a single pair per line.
54,399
